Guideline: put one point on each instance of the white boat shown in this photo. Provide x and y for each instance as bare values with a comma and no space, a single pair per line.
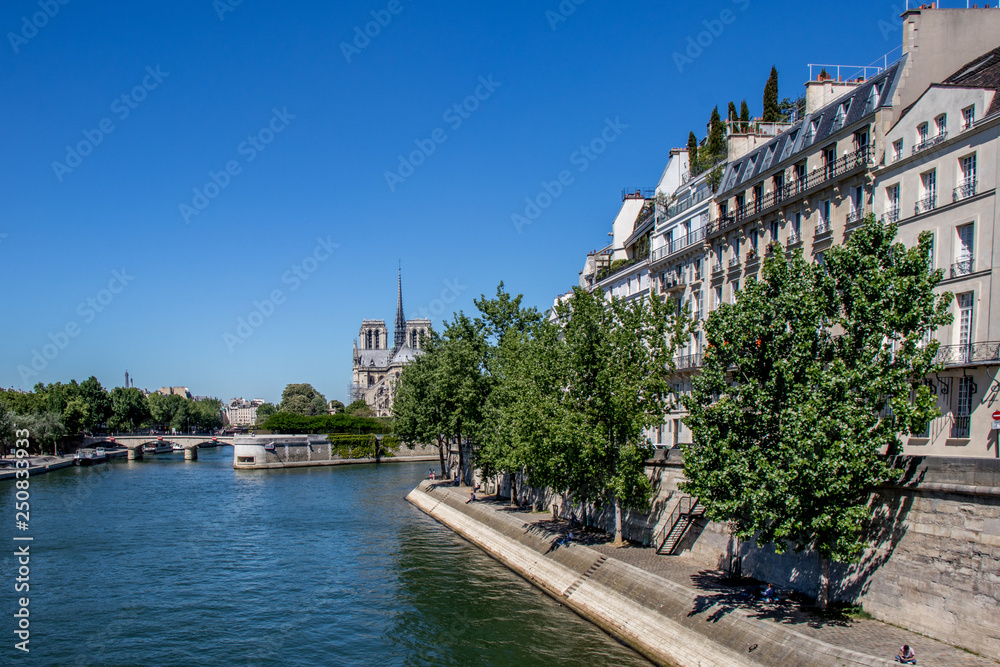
178,447
87,457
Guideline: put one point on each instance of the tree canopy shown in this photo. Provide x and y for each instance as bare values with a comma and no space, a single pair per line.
808,380
303,399
772,112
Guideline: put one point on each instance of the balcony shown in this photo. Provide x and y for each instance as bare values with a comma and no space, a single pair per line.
717,268
854,217
928,203
965,190
823,227
676,245
720,224
752,257
638,193
687,362
928,143
673,284
970,353
836,169
734,263
892,214
962,268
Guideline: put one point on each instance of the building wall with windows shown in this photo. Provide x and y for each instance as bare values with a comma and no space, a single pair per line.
939,175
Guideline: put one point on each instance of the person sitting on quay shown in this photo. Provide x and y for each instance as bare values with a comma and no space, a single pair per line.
906,655
769,594
472,497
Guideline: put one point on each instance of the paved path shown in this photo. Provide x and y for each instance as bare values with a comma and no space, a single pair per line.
711,592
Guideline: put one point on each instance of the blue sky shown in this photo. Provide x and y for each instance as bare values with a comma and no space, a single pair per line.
170,167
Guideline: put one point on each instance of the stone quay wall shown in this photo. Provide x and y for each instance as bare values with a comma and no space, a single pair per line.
296,451
935,568
649,613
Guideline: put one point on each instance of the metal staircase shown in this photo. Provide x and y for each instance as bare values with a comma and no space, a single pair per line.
687,510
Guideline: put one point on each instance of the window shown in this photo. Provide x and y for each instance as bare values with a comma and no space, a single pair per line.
928,192
897,149
921,133
838,120
748,172
968,169
796,233
723,209
872,99
965,318
753,241
789,144
800,176
829,160
718,296
857,201
930,255
774,231
861,139
964,250
779,183
699,313
736,289
741,205
963,411
941,124
968,116
823,226
758,197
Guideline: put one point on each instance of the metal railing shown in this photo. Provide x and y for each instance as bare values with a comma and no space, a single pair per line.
687,361
734,262
676,245
965,190
752,256
794,238
854,217
891,215
962,267
717,267
638,193
969,353
830,171
960,426
823,227
928,203
931,141
684,204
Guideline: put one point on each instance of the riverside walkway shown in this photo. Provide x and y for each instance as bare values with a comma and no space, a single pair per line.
713,597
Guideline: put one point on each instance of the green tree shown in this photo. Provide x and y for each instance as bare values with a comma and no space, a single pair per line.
693,161
45,429
302,399
617,358
807,383
732,116
359,408
772,113
418,407
744,116
98,401
715,147
129,408
76,415
265,410
790,108
335,407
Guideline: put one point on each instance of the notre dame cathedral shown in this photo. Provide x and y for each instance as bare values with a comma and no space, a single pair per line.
377,365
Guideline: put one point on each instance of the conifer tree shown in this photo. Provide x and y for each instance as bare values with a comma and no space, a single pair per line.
695,167
772,112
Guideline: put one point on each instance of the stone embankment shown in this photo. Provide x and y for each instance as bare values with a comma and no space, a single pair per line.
37,465
669,622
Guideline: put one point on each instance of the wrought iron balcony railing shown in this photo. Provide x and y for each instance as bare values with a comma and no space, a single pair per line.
971,353
823,227
676,245
962,267
891,214
717,267
854,217
932,141
960,426
928,203
965,190
734,262
687,361
794,238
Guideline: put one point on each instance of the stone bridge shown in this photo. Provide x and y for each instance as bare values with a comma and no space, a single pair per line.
134,443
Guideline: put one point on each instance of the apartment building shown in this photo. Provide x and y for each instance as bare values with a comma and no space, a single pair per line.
938,174
240,412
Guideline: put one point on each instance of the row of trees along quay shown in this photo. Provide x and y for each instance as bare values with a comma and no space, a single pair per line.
809,380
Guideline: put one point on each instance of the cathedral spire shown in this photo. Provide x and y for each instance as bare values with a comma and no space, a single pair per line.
400,328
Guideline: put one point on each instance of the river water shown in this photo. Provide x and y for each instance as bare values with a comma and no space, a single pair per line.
166,562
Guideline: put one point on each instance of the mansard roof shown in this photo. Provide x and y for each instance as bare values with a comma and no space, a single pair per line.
983,72
790,144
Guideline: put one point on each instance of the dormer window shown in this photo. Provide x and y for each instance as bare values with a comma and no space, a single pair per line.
789,144
841,117
941,123
873,96
968,116
810,132
748,172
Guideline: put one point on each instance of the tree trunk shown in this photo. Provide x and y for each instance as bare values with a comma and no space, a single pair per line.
618,522
461,459
441,445
823,594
